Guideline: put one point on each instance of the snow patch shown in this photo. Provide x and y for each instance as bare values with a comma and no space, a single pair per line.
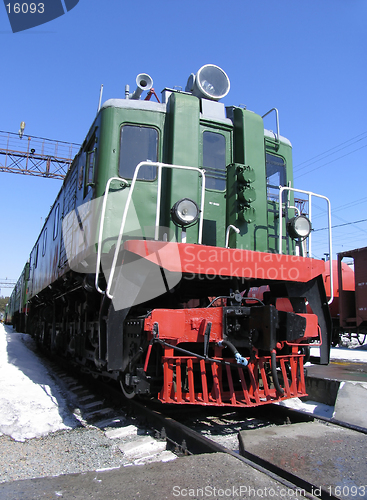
310,407
31,404
355,353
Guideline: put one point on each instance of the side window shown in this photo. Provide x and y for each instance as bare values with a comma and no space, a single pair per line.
275,176
214,160
137,144
36,256
90,160
56,221
91,156
44,244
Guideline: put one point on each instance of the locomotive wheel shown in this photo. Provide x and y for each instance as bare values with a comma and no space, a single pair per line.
128,392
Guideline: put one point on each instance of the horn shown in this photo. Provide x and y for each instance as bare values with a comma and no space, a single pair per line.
143,82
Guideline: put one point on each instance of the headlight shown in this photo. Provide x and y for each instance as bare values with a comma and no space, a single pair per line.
210,82
299,227
185,212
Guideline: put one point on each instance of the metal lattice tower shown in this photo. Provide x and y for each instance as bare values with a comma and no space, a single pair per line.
36,156
7,283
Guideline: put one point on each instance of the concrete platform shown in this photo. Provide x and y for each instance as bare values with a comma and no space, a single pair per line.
213,476
342,385
351,404
339,370
328,456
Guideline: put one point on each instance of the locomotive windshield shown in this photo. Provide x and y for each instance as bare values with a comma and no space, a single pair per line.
214,160
275,176
137,144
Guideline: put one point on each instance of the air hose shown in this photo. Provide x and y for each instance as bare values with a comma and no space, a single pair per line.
239,359
274,372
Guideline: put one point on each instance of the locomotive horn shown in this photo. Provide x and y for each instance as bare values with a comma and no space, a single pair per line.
143,82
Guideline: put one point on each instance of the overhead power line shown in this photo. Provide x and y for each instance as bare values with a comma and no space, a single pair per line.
331,161
314,159
343,207
340,225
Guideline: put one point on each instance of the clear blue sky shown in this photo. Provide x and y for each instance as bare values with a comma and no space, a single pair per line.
307,58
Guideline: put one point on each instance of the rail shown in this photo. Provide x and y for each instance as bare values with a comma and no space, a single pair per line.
310,195
160,167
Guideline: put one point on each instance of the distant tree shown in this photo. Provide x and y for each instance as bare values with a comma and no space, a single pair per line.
3,302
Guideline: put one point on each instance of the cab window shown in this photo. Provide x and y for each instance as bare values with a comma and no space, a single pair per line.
214,160
275,176
137,144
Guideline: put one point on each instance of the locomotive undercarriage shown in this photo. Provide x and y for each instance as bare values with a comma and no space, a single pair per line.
231,354
211,347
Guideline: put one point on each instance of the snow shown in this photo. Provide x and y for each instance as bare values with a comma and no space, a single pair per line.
31,404
350,351
310,407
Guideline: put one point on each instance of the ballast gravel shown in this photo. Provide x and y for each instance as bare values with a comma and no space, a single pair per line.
63,452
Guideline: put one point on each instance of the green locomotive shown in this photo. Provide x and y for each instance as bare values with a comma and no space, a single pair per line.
170,216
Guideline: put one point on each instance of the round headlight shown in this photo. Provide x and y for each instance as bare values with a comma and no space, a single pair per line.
210,82
185,212
299,227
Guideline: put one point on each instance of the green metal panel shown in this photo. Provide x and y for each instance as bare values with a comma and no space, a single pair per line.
284,152
142,211
214,229
249,216
182,148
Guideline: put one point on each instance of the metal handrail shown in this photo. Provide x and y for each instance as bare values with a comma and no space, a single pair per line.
101,225
277,120
160,166
234,228
310,194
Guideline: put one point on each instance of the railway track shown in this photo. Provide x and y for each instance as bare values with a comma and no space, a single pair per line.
145,431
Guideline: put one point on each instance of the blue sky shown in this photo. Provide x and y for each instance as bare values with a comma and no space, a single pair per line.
306,58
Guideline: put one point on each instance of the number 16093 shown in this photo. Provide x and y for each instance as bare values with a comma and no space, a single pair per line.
25,8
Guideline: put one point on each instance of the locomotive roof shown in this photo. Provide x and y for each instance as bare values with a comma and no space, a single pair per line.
162,108
272,135
135,104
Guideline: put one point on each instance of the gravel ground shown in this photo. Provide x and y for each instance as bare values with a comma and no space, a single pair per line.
216,476
77,450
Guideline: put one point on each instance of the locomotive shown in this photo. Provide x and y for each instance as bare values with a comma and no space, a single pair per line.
170,214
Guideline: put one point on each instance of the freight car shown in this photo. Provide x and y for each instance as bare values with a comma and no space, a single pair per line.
353,295
170,213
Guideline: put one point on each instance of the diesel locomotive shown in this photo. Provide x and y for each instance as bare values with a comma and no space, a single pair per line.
170,215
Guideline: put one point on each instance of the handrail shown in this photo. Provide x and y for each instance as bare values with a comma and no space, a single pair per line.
277,120
310,194
236,229
160,166
101,225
